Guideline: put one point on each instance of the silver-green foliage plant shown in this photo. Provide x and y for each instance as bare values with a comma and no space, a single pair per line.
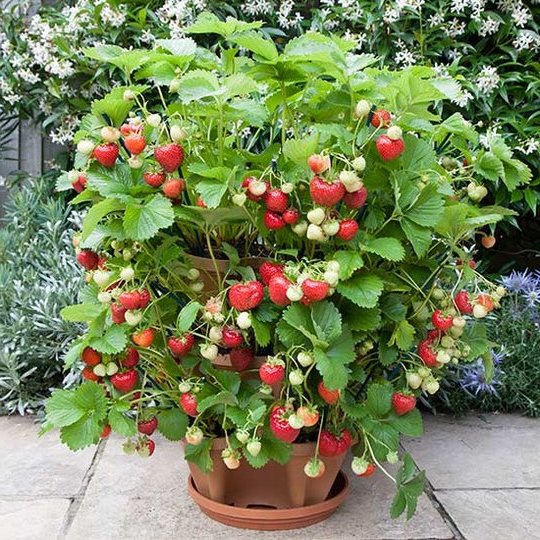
37,278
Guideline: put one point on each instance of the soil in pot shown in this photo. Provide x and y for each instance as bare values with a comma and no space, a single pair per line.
272,519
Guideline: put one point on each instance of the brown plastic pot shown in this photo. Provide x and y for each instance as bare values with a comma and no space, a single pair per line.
271,519
272,486
212,272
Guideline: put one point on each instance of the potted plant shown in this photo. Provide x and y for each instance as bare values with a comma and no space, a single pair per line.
279,252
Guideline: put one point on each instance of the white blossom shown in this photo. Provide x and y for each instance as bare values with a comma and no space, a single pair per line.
488,79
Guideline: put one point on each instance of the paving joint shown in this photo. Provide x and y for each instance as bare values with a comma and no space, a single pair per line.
513,488
76,501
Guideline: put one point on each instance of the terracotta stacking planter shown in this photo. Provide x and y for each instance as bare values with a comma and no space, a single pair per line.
273,488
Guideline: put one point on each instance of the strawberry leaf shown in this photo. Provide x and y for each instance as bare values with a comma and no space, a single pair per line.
172,424
200,455
363,289
187,316
122,424
143,221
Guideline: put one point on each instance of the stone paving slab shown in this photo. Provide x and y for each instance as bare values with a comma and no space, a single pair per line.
494,514
498,452
150,492
35,466
32,519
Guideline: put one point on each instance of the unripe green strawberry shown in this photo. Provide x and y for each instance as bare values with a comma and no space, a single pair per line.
392,457
295,421
294,293
111,368
359,164
194,435
305,359
359,465
296,377
414,380
127,273
254,447
300,228
316,216
362,109
100,370
242,435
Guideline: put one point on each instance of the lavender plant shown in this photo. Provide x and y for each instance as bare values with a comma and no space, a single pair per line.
37,278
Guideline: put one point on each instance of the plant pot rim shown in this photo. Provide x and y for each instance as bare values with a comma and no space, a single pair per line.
270,518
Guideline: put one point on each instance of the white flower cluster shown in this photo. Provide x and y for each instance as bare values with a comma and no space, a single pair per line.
488,79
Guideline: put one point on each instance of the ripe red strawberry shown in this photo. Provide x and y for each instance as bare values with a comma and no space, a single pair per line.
426,353
106,154
201,203
148,426
79,184
241,358
381,118
148,448
246,296
106,431
89,375
145,338
272,373
173,187
180,346
135,143
314,290
125,381
268,270
91,357
188,402
277,290
356,199
169,156
291,216
330,445
463,303
154,179
347,229
131,359
326,193
231,337
88,259
118,313
441,322
330,396
280,426
433,335
144,298
403,403
276,201
388,148
273,221
130,299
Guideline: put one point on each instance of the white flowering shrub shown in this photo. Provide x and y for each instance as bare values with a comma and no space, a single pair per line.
37,278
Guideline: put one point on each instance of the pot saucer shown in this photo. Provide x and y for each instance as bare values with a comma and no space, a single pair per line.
272,519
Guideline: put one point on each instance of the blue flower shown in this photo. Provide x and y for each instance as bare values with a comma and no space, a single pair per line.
473,376
524,281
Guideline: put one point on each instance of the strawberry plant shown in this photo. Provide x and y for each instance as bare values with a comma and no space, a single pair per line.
281,260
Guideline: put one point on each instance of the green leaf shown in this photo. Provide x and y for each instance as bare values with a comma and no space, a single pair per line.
387,248
427,208
403,335
332,363
115,108
81,312
489,166
74,352
475,336
298,150
410,485
361,319
363,289
299,317
290,336
172,424
221,398
256,43
113,341
62,409
183,47
326,320
379,399
409,424
143,221
200,455
262,332
349,261
110,183
211,192
197,85
97,213
82,433
187,316
122,424
419,237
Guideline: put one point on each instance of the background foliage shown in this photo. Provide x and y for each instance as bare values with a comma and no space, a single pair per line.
38,276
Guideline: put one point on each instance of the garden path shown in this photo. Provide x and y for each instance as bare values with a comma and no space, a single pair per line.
484,483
